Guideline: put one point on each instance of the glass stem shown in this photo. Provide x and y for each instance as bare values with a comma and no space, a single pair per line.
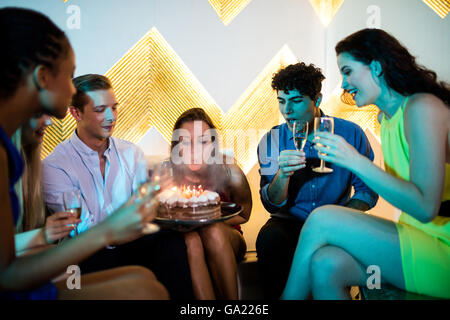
322,164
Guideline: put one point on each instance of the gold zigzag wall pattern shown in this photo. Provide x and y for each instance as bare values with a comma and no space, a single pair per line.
59,131
441,7
326,9
227,10
154,87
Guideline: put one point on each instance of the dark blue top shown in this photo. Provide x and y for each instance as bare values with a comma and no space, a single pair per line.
15,169
307,189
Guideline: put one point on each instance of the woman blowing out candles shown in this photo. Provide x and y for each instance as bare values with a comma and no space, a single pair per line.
213,250
337,244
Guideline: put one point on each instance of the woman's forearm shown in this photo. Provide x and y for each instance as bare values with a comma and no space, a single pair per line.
29,239
36,269
402,194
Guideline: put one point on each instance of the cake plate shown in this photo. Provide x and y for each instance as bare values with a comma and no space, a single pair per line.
228,210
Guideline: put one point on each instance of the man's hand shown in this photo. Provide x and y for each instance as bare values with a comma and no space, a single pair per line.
290,161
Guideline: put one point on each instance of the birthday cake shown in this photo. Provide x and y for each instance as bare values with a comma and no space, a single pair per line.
188,203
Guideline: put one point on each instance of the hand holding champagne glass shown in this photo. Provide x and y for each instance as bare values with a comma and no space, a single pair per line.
324,124
72,204
162,173
300,132
155,179
133,219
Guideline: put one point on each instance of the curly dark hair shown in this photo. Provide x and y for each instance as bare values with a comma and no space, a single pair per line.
28,39
399,67
307,79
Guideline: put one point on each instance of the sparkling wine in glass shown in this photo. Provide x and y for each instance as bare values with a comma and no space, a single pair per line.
300,132
323,124
72,204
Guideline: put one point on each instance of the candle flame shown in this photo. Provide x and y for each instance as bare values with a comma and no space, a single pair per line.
189,191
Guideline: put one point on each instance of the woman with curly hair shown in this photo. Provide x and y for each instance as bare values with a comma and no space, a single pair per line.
338,244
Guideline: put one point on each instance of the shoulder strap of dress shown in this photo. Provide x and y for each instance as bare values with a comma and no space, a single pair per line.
404,103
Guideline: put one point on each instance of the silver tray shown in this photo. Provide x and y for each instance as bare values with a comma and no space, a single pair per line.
228,210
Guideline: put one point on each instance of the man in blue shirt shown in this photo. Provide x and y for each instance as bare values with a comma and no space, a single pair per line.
290,190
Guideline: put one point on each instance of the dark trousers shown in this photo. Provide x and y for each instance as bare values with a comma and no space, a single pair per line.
164,253
275,246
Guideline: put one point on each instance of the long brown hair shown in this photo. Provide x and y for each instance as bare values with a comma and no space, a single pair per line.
33,202
400,69
28,188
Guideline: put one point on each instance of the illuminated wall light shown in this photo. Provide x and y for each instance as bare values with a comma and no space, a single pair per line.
59,131
227,10
326,9
154,87
257,110
441,7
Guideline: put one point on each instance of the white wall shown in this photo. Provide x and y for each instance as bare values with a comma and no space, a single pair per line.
227,58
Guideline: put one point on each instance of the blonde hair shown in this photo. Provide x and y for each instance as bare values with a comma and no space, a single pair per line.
33,202
28,188
16,140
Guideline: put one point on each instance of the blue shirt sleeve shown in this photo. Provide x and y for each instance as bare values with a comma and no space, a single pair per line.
268,152
362,191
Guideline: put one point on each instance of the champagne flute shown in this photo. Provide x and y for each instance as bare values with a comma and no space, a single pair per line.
163,174
159,176
324,124
300,133
72,204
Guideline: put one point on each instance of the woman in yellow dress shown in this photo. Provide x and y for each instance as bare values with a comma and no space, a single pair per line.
337,244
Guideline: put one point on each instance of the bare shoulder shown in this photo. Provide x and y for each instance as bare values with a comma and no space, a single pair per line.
424,105
426,116
426,109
